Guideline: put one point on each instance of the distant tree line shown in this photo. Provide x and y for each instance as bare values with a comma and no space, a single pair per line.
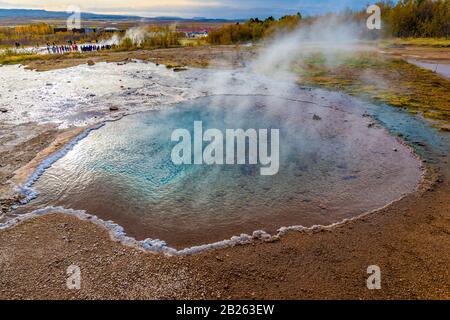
41,34
253,29
405,18
153,37
416,18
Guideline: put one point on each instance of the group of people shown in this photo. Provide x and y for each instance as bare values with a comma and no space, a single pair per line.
96,47
74,47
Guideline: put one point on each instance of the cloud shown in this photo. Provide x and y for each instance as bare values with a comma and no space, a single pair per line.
193,8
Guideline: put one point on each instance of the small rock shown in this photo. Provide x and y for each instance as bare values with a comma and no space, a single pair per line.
419,143
90,63
395,149
316,117
3,110
113,108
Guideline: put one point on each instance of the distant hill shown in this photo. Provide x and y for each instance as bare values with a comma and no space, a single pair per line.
44,15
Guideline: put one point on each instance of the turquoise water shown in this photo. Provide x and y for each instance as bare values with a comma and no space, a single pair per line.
427,142
333,165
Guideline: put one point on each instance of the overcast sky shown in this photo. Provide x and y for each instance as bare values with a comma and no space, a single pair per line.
193,8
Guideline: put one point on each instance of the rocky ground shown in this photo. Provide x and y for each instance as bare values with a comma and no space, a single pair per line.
19,145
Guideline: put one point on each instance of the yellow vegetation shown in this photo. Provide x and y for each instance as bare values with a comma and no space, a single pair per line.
382,79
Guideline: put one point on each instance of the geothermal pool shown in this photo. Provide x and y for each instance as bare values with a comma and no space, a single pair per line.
334,164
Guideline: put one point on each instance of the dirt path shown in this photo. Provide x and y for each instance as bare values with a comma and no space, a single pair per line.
18,146
421,52
434,59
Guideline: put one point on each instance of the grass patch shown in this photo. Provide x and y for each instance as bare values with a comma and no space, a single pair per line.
192,42
380,79
9,57
428,42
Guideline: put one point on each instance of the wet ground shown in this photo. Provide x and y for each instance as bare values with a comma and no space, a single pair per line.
83,95
442,69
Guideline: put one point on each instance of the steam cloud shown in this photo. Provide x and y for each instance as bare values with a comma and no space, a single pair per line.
271,69
270,72
137,35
